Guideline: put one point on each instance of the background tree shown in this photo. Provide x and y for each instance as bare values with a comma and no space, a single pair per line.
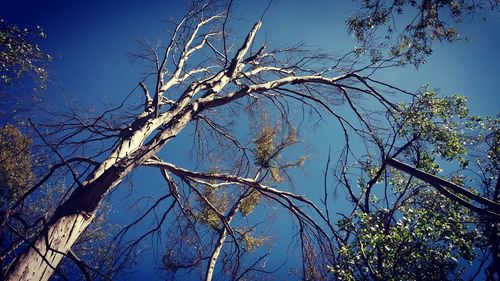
412,26
22,163
16,173
414,227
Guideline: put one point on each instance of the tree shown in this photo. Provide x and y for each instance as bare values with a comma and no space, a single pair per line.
246,78
15,160
20,55
425,240
472,142
202,85
463,139
412,26
421,223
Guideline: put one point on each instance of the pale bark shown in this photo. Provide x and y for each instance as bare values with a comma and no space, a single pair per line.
215,255
72,217
220,242
39,262
152,129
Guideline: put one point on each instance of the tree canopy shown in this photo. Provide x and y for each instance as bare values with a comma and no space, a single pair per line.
412,26
21,55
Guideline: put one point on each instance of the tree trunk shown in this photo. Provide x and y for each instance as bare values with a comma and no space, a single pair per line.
72,217
220,242
39,262
215,255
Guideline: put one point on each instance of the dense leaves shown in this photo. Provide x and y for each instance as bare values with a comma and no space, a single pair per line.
435,122
268,150
423,240
16,173
414,232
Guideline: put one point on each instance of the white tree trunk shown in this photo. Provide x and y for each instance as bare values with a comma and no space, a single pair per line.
71,218
220,242
215,255
39,262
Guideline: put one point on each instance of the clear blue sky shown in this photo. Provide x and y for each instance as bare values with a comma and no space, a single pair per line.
90,41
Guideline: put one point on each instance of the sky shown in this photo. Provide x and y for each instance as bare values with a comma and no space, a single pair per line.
91,42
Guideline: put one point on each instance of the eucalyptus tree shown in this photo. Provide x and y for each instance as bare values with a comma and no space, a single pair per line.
406,30
199,80
433,218
202,84
21,55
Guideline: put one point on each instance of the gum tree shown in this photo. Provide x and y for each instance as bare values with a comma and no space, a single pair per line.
200,81
429,211
406,29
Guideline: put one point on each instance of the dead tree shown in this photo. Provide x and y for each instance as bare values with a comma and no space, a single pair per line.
197,76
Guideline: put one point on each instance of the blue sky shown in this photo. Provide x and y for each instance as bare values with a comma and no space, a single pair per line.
91,40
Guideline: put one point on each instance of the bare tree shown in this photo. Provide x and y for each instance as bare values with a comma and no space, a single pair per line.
200,82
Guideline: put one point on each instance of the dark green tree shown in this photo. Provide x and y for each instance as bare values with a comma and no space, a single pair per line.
16,166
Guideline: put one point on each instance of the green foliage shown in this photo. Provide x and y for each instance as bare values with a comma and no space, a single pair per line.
250,202
20,55
414,232
411,41
252,242
435,121
268,150
16,173
218,199
483,138
264,146
424,241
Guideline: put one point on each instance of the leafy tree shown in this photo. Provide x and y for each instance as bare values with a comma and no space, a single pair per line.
422,239
16,169
420,230
20,55
411,26
482,136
